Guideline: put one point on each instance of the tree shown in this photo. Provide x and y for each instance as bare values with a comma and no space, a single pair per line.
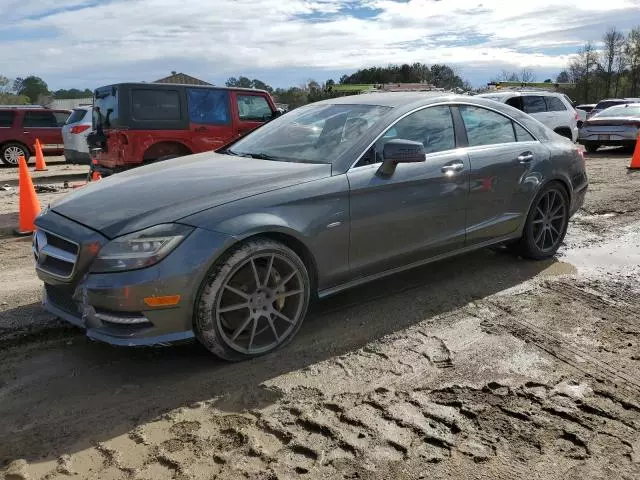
563,77
244,82
32,87
632,54
613,44
582,67
7,94
527,75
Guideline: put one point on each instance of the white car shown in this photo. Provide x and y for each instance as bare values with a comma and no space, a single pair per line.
553,110
74,135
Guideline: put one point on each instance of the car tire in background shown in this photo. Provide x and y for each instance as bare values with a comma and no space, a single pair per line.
591,147
9,153
253,301
546,223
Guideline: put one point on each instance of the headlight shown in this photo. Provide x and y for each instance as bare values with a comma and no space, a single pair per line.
140,249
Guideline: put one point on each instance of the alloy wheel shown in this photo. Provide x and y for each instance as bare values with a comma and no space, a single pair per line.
549,219
12,153
260,303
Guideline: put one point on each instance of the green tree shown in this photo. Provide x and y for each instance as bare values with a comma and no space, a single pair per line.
32,87
7,94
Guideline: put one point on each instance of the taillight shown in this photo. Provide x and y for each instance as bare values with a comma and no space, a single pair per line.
78,128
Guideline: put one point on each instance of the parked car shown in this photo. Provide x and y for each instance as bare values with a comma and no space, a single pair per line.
231,246
74,134
554,110
614,126
611,102
21,125
140,123
586,107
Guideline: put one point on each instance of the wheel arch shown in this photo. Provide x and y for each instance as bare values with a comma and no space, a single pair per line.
564,183
165,147
18,142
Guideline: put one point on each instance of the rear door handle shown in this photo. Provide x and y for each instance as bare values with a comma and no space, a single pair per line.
453,167
525,157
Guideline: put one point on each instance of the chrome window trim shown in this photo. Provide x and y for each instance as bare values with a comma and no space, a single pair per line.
448,104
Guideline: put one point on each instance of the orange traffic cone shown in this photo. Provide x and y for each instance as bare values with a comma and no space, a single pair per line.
40,165
29,204
635,160
96,176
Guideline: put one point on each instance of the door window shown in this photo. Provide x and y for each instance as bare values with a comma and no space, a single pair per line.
554,104
208,106
6,118
40,120
253,108
152,104
521,134
534,104
485,127
515,102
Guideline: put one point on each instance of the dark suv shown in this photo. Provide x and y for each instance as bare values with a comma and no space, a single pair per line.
139,123
21,125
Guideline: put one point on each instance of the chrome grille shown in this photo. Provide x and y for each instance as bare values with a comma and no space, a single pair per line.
54,254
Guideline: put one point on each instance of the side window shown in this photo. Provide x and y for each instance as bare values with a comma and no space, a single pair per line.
61,118
152,104
40,120
485,127
6,118
253,108
534,104
208,106
521,134
554,104
515,102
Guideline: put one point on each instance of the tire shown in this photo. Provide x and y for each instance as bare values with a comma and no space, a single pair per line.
591,148
165,157
531,244
236,308
10,152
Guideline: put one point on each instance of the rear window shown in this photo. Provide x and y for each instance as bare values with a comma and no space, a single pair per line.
555,104
153,104
6,118
76,116
534,104
208,106
105,108
609,103
40,120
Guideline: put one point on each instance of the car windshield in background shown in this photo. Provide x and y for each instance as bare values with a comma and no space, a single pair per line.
76,116
310,134
609,103
620,111
105,108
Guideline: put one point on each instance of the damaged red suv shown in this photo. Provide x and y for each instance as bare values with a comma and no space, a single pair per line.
140,123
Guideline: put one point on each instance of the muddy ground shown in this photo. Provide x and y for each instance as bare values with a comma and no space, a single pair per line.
484,366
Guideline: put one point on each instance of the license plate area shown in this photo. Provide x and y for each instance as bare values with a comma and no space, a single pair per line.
604,137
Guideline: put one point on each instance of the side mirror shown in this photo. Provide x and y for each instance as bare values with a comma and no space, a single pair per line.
400,151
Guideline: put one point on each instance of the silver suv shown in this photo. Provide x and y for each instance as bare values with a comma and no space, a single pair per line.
554,110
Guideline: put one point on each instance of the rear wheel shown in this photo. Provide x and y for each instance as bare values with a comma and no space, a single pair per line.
253,302
11,152
591,147
546,223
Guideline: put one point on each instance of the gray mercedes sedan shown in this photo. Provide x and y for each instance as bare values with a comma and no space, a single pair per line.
231,247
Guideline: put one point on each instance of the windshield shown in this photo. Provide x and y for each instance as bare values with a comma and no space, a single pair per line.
310,134
620,111
105,108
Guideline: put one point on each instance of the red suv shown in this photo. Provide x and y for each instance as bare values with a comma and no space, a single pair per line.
139,123
21,125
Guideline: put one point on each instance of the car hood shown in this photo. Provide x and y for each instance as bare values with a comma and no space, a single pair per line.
170,190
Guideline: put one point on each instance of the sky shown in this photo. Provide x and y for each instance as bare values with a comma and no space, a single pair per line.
89,43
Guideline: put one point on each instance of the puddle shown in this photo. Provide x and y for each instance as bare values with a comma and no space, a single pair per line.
615,254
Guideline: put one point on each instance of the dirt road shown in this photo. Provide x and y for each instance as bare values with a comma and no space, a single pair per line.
484,366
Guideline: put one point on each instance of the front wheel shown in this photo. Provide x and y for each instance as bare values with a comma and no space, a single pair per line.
253,301
546,223
11,152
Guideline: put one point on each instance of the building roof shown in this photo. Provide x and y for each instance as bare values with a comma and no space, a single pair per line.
183,79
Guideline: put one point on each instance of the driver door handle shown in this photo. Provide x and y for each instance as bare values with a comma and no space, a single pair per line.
525,157
453,167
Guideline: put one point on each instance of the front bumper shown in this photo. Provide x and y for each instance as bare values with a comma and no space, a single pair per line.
102,304
75,156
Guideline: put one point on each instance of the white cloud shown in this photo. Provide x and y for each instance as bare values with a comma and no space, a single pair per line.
142,39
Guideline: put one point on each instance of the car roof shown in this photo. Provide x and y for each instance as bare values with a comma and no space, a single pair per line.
392,99
161,86
516,93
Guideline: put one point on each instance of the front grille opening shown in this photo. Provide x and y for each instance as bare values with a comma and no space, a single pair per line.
57,267
62,298
62,244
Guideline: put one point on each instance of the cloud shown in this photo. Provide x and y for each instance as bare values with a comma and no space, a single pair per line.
90,42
